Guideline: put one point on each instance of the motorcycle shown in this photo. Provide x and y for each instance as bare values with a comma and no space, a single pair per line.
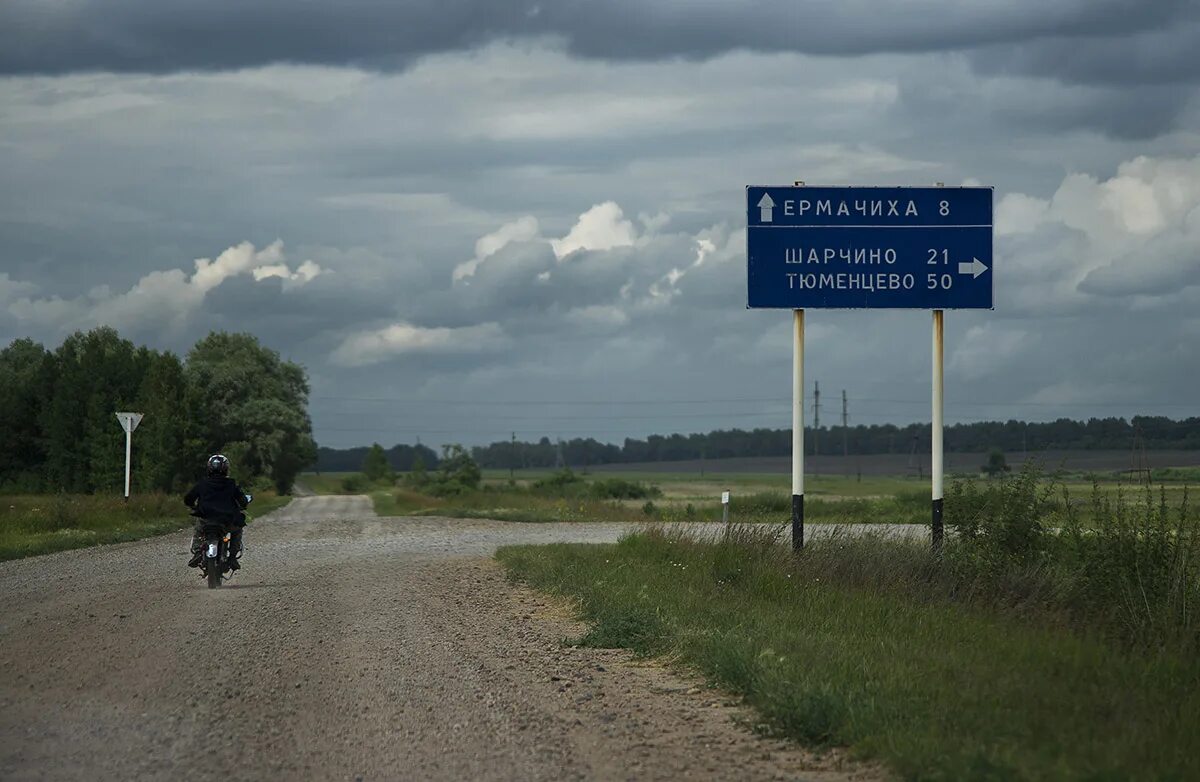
218,559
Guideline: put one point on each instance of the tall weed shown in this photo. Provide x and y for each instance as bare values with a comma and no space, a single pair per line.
1133,570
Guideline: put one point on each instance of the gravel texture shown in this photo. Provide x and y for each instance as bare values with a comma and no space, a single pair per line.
349,647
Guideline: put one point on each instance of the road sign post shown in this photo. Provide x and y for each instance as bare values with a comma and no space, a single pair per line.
936,473
797,429
129,422
924,248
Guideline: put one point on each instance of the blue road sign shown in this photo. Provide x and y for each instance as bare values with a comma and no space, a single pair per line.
869,247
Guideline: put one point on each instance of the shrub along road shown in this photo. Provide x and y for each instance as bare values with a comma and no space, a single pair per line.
349,647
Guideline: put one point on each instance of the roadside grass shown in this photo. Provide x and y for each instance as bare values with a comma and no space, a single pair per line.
944,669
41,524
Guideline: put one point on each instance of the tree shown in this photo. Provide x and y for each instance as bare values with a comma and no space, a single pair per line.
160,456
246,401
93,375
996,463
375,465
24,375
417,476
457,468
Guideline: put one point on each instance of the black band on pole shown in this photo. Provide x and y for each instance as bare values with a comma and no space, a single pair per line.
937,525
797,522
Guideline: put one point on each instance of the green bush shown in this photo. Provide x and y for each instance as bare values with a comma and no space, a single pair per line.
457,467
1134,570
418,476
1004,520
621,489
354,483
445,489
375,466
568,484
558,484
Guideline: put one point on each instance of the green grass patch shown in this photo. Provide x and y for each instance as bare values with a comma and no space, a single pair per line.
941,668
340,483
41,524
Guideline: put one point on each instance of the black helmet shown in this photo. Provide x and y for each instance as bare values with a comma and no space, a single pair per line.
218,466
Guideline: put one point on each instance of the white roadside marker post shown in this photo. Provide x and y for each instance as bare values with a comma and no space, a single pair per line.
936,446
797,430
129,422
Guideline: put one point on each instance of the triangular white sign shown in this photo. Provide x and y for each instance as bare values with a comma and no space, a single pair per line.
129,421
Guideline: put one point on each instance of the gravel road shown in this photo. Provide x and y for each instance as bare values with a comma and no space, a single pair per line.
350,647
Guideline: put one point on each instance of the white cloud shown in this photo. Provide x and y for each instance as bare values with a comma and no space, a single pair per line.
161,298
602,227
1017,213
11,289
523,229
400,339
986,350
305,273
1133,235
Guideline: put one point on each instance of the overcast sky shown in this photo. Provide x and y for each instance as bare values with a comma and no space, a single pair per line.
469,217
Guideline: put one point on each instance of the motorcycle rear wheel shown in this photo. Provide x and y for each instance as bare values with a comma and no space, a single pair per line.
214,574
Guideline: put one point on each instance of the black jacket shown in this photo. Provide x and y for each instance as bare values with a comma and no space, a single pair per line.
217,499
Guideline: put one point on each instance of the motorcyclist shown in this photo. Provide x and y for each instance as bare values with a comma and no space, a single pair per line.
217,498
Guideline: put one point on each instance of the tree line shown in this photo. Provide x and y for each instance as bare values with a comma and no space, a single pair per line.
1150,432
230,394
398,457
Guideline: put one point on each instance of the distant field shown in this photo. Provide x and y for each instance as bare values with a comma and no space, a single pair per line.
904,464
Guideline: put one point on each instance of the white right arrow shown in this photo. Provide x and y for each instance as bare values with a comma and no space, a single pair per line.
974,268
765,205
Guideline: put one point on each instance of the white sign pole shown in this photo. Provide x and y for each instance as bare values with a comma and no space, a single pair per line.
798,430
129,422
937,472
128,453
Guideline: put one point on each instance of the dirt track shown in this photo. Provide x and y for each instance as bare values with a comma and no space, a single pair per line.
350,647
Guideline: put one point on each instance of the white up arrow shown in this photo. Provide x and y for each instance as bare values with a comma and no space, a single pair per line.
974,268
765,205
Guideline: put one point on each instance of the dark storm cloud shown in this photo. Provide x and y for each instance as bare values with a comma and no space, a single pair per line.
1158,56
147,36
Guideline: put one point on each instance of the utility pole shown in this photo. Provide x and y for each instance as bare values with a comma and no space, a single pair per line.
845,434
512,461
816,418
